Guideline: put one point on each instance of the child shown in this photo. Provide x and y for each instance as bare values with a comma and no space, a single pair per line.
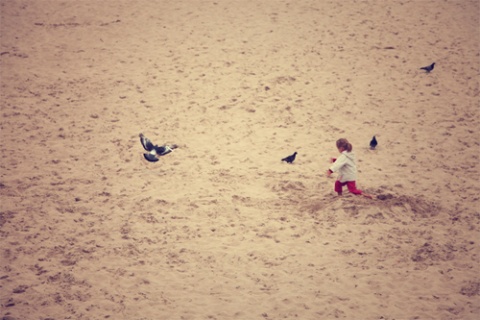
347,170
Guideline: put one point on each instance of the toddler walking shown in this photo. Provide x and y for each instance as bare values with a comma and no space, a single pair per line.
347,170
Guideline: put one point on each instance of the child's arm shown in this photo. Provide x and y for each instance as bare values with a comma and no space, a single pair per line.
329,171
339,162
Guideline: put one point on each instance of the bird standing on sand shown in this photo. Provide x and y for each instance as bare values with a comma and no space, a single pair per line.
428,68
373,143
154,150
290,158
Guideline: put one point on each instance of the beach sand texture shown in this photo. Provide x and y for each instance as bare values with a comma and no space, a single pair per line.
221,228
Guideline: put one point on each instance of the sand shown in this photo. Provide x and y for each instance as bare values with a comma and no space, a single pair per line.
221,228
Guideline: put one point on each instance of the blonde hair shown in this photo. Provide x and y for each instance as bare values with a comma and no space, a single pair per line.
344,144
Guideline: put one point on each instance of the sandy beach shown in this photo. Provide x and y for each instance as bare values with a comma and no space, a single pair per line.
221,228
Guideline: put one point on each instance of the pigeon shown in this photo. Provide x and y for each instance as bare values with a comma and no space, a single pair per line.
428,68
153,150
290,158
373,143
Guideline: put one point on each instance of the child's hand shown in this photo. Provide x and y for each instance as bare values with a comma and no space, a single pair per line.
332,160
329,173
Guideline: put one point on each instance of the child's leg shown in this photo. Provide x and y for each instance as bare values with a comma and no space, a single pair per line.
352,187
338,187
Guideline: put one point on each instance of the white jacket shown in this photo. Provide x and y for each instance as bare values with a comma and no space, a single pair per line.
345,165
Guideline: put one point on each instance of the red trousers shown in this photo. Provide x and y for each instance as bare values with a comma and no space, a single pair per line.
350,185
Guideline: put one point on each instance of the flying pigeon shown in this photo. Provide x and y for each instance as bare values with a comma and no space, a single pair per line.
428,68
153,150
373,143
290,158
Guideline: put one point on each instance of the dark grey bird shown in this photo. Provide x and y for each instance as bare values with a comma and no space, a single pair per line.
428,68
373,143
290,158
154,151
